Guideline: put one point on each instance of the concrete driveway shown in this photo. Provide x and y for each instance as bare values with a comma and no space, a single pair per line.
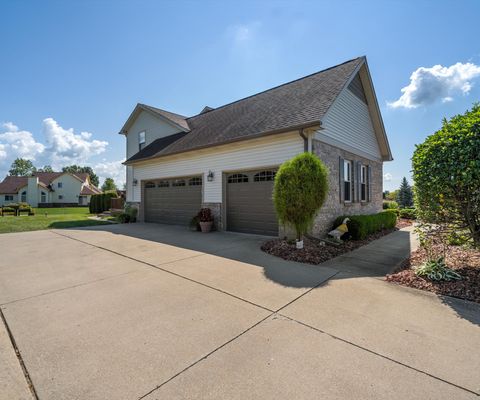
146,311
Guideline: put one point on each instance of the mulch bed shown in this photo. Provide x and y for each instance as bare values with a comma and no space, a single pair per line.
313,252
464,261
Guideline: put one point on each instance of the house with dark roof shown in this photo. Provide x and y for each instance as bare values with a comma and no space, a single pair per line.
225,158
48,189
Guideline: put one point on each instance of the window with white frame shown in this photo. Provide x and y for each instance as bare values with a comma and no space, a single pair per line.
363,183
141,140
23,197
347,181
8,197
43,197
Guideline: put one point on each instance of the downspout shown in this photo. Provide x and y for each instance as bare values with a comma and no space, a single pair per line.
305,140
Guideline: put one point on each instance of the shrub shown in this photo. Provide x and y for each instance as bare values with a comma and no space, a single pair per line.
436,270
446,171
360,226
300,189
390,205
123,218
408,213
101,202
131,213
194,223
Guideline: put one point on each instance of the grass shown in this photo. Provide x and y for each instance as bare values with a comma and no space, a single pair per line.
48,218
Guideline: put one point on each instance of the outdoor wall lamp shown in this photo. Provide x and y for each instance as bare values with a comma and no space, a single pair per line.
135,182
210,176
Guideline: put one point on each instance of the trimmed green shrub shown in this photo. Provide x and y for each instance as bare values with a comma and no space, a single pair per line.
408,213
360,226
390,205
300,189
101,202
131,212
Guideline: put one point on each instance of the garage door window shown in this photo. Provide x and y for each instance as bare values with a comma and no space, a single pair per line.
149,185
195,182
264,176
163,184
237,178
178,182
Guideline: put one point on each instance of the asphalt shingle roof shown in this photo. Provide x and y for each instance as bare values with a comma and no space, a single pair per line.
301,102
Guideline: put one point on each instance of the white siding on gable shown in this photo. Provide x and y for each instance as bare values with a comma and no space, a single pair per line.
69,191
154,129
348,125
256,153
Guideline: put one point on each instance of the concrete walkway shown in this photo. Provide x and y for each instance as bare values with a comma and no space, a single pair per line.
156,312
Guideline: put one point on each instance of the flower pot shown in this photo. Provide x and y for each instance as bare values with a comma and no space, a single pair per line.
299,244
206,226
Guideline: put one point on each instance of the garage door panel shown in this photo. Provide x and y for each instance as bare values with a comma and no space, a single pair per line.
173,204
250,206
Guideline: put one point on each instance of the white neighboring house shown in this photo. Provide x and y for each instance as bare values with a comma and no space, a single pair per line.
225,158
48,189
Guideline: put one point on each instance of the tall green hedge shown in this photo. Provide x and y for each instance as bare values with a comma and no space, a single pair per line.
300,189
101,202
360,226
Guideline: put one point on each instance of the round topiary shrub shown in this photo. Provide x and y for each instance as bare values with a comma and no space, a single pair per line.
300,189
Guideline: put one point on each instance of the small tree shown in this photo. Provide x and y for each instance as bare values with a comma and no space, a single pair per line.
300,189
446,171
22,167
405,194
109,184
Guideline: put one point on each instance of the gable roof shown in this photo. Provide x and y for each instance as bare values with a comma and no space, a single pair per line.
11,184
300,103
177,120
156,146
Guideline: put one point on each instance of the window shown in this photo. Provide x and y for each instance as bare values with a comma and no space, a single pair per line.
8,197
178,182
264,176
60,197
237,178
23,197
347,180
195,181
363,183
162,184
43,197
149,185
59,185
141,140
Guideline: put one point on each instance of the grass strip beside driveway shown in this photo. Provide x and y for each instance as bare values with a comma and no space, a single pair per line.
48,218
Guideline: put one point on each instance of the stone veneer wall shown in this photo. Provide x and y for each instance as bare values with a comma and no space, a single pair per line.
217,214
333,208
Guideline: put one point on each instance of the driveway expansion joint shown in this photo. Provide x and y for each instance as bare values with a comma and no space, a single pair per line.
19,357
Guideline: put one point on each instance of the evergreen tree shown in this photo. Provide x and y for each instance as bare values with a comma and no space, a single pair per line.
405,194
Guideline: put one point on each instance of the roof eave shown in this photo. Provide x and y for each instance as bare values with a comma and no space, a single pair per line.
259,135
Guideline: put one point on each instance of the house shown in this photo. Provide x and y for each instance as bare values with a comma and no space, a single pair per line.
225,158
48,189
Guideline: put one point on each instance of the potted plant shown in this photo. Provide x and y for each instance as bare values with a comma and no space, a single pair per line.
205,219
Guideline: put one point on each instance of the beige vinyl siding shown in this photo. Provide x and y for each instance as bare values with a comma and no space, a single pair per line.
348,126
252,154
154,129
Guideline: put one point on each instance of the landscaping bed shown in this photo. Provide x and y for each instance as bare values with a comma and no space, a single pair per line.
313,252
464,261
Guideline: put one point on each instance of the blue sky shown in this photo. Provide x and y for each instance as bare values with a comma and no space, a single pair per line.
72,71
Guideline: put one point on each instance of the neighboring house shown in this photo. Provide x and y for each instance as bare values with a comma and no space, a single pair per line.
225,158
48,189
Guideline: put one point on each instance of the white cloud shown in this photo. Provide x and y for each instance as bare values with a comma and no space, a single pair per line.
387,177
428,85
244,33
67,147
61,147
111,169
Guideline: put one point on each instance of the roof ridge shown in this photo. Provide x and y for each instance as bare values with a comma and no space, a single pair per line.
161,109
279,86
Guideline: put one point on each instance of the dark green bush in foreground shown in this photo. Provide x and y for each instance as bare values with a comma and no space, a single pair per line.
360,226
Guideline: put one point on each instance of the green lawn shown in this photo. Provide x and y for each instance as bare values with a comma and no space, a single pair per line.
48,218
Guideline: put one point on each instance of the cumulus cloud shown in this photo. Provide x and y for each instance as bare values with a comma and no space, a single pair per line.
387,177
65,146
60,146
428,85
111,169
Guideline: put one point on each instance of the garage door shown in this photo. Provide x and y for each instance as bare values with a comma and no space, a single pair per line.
173,201
249,203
